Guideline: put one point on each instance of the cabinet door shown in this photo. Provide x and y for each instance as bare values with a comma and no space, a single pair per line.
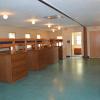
19,68
5,68
95,44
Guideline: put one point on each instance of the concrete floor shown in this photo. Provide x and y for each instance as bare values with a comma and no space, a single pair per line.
71,79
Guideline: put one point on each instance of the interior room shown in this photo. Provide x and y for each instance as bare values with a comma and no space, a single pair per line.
49,50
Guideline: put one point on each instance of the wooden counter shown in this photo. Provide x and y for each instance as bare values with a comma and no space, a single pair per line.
60,52
39,59
12,66
52,55
15,66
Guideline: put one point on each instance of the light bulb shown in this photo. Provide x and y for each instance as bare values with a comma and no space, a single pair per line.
53,30
33,22
49,25
5,17
59,28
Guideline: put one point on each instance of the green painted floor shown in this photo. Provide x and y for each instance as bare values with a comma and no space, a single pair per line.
70,79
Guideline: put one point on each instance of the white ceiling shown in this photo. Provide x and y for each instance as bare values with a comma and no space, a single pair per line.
87,12
84,11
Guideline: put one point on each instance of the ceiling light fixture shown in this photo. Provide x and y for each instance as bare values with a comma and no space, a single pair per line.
49,25
5,17
6,14
53,30
59,27
33,22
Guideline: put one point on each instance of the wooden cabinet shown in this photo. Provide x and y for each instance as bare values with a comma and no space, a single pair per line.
40,59
60,51
15,63
33,60
52,55
13,66
77,51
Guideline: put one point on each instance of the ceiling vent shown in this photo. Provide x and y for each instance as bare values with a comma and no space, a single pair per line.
53,17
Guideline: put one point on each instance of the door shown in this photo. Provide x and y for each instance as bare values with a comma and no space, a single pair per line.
76,44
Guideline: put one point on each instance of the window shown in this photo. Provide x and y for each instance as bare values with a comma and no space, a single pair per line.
39,45
27,36
29,46
78,40
38,36
60,44
59,37
57,44
72,39
12,35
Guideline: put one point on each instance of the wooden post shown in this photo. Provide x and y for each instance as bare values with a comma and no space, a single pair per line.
85,42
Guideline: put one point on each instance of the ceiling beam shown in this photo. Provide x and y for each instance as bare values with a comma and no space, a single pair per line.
47,4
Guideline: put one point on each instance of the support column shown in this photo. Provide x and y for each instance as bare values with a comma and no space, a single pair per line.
85,42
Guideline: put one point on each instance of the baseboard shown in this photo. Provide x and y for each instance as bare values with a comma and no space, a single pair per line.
86,57
67,56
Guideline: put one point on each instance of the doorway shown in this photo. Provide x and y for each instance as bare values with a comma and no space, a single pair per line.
76,50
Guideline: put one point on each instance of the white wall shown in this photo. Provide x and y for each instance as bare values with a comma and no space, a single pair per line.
20,32
67,36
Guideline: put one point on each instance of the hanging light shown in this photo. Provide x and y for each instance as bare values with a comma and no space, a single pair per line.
6,14
33,22
59,27
5,17
49,25
53,30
